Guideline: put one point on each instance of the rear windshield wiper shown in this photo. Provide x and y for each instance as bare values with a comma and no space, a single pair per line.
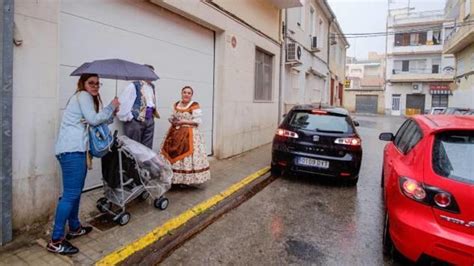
329,131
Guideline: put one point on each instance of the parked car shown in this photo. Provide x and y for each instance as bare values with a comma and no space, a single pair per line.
320,141
457,111
428,185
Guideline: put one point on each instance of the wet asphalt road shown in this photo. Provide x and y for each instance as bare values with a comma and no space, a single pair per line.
303,220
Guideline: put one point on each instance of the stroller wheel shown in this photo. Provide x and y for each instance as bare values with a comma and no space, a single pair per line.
161,203
145,195
103,205
124,218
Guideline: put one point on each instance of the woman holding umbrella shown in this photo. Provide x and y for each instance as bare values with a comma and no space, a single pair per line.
71,148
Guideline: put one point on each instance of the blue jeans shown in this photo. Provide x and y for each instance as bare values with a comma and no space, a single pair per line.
74,169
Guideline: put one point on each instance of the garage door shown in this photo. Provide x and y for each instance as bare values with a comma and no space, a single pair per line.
181,51
415,104
366,104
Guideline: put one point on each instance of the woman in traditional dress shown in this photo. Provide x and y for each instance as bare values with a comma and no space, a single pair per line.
184,146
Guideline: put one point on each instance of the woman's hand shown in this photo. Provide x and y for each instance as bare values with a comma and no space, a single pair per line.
116,103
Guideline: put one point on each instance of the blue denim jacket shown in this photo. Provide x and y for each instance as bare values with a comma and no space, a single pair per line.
73,136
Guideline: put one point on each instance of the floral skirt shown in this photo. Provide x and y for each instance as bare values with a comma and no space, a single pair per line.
192,169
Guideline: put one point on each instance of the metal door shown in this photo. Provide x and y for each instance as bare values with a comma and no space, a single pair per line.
415,104
366,104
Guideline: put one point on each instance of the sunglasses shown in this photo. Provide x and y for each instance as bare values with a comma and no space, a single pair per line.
94,84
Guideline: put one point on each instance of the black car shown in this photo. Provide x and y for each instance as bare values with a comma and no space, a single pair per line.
320,141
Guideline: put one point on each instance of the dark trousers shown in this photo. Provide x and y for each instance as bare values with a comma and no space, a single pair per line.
140,131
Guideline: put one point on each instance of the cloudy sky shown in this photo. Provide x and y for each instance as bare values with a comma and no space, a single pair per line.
361,16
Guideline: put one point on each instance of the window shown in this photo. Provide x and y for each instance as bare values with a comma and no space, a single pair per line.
321,123
405,65
263,76
400,132
322,33
402,39
450,151
435,63
410,136
440,100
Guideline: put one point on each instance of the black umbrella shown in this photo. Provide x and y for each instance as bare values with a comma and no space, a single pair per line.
116,69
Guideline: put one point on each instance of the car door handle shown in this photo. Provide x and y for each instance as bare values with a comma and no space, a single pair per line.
390,163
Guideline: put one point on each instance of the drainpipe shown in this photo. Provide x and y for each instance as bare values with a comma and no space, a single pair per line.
328,98
6,81
282,68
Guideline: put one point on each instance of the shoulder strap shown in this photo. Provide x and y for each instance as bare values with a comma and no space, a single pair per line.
137,84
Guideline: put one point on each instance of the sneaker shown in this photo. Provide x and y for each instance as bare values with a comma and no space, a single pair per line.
62,247
83,230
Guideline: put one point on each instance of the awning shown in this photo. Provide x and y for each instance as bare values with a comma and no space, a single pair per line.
440,89
442,92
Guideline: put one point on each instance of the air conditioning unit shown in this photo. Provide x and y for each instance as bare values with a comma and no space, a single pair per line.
314,44
417,87
293,53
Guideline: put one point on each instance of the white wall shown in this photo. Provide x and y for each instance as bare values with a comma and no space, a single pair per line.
35,104
241,122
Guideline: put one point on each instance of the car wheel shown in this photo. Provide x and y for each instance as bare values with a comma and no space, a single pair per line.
389,248
275,171
381,179
387,240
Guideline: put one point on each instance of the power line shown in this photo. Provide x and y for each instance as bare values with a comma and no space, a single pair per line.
387,33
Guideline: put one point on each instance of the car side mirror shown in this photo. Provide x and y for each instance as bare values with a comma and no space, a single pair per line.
356,123
386,136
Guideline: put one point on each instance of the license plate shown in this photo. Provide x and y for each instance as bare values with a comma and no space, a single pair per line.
313,162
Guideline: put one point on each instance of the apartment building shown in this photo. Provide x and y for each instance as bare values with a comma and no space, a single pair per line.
364,86
419,75
460,42
315,55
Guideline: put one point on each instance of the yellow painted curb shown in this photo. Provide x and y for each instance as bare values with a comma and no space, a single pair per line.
172,224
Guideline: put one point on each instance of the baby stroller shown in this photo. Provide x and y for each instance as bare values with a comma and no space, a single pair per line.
129,171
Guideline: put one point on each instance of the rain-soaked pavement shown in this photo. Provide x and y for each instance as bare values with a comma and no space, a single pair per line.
303,221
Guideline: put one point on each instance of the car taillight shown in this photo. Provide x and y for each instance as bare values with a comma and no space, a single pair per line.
442,199
319,112
428,195
348,141
287,133
413,189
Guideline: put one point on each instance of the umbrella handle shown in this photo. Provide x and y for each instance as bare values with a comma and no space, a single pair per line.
116,81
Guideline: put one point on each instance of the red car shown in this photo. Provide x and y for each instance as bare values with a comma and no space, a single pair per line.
428,185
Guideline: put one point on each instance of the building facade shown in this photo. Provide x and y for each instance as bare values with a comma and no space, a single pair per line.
315,54
228,51
364,87
460,42
419,75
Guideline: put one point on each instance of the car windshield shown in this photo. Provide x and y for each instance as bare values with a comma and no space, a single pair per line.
321,123
452,155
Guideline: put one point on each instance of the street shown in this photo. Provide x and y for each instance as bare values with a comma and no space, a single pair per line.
302,219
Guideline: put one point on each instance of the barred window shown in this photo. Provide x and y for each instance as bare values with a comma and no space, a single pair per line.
263,76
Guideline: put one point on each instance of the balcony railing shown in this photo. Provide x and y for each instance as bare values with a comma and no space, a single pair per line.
432,15
413,71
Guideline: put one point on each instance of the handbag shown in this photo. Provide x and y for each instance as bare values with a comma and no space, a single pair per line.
100,139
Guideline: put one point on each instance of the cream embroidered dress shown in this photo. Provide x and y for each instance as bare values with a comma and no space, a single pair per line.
184,147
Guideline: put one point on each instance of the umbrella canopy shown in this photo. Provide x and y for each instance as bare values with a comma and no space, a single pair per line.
116,69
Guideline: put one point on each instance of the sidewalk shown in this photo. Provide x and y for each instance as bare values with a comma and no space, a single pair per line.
28,250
